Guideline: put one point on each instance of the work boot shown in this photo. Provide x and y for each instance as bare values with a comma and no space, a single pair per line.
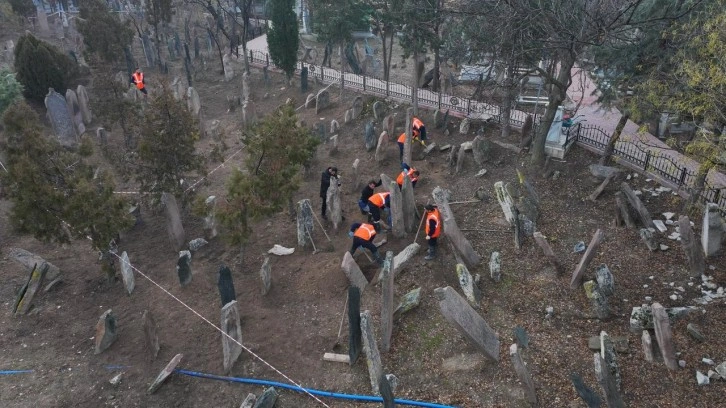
430,254
377,258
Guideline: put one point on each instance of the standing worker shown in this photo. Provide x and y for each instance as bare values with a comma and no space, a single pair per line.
433,229
365,194
363,235
419,129
137,78
411,172
329,173
378,202
402,141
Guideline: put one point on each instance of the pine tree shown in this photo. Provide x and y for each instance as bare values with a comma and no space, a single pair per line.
40,66
104,35
10,89
282,39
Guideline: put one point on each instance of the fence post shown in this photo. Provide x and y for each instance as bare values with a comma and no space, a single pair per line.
579,126
439,99
647,161
364,83
468,107
388,88
683,176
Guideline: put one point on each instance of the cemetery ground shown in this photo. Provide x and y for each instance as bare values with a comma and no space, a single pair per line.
298,320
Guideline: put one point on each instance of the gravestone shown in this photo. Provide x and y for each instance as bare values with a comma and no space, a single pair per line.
378,110
304,223
353,272
505,201
165,373
635,202
249,113
524,376
75,111
151,336
231,326
607,352
60,119
247,93
357,107
387,291
105,331
29,260
196,244
225,285
605,280
495,267
309,101
348,116
409,205
355,184
712,232
481,148
42,19
408,302
267,399
193,103
354,328
382,147
83,103
333,202
452,231
389,123
174,226
333,145
438,119
408,145
334,126
370,136
470,289
322,101
25,297
266,275
228,69
399,228
664,336
127,274
319,128
460,158
647,343
102,137
464,126
648,238
210,221
184,267
407,254
304,80
692,248
607,383
458,312
386,389
598,300
597,238
375,366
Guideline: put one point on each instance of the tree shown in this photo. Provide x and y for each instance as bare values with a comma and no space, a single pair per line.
277,149
282,38
39,66
385,16
335,20
56,194
23,8
104,35
158,12
10,89
166,148
113,107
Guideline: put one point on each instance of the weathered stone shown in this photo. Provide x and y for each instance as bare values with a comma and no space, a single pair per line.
184,267
505,201
61,119
370,136
400,260
227,66
664,336
635,202
322,101
225,285
660,226
470,289
389,123
102,137
453,154
481,148
605,280
695,332
197,243
453,233
354,324
266,275
495,267
520,335
386,389
334,207
357,108
397,221
249,113
173,221
210,220
334,126
599,301
586,393
127,273
387,291
382,147
25,297
692,248
607,383
458,312
460,158
353,273
232,335
375,367
105,331
249,401
607,352
641,317
602,172
409,301
309,101
75,111
165,373
83,104
355,183
247,91
721,370
620,343
150,334
524,376
648,238
304,223
304,81
464,126
267,399
193,103
712,232
333,145
647,343
29,260
348,116
586,258
408,146
408,200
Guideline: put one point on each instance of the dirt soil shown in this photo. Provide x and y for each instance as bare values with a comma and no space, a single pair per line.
297,321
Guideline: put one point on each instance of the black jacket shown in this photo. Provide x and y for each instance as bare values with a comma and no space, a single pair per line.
368,191
325,183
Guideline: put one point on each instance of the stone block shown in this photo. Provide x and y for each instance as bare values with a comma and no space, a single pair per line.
105,331
375,366
232,337
353,272
127,273
400,260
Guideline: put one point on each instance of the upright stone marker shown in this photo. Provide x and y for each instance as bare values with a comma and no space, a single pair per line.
105,331
193,103
712,232
150,334
664,336
210,220
60,119
458,312
378,110
495,266
334,126
322,101
357,107
354,332
471,291
27,292
607,383
397,224
228,69
75,111
389,123
304,223
173,221
692,248
370,136
605,280
462,245
375,367
83,103
266,275
408,145
381,147
231,325
333,202
184,267
225,285
386,390
387,305
524,376
505,201
355,185
127,273
647,346
409,205
400,260
267,399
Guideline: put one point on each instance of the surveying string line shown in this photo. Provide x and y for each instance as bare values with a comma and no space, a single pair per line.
245,348
215,169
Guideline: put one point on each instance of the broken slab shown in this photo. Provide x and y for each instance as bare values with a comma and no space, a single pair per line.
607,383
165,373
25,297
29,260
505,201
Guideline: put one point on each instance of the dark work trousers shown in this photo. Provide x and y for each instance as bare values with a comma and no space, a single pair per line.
400,151
324,208
432,245
360,242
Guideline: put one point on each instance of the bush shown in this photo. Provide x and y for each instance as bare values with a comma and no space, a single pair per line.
10,89
23,8
40,66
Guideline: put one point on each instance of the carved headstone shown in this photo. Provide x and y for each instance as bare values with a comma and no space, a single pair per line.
334,126
304,223
387,291
127,273
83,104
357,107
378,110
60,118
310,101
389,123
605,280
184,267
105,331
322,101
647,346
664,336
375,367
266,275
225,285
150,334
173,221
231,326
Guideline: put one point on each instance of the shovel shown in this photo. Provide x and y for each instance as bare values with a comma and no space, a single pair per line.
336,346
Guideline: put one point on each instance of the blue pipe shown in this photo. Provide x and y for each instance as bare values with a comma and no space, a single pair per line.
11,372
318,393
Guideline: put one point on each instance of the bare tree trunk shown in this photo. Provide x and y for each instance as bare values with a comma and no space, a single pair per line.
607,154
507,103
219,49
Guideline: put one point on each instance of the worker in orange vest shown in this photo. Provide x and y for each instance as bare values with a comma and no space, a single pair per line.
363,235
137,78
433,229
378,202
419,129
402,141
411,172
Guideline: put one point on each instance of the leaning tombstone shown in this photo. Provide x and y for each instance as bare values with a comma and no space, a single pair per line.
664,336
150,334
598,299
210,221
353,273
524,375
304,223
75,111
27,292
607,383
184,267
381,147
266,275
357,107
692,248
61,119
408,302
225,285
387,291
127,273
375,366
451,229
384,386
105,331
231,335
29,260
165,373
173,221
712,231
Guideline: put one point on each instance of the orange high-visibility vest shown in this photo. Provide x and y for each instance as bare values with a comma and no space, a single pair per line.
417,123
436,216
378,199
365,232
138,79
413,178
402,138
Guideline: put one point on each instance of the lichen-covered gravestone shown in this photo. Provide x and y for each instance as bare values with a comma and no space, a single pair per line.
373,356
304,223
387,291
232,337
61,119
381,147
127,274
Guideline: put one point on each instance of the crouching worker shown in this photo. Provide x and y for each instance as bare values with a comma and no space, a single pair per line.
411,172
433,229
365,194
363,235
377,203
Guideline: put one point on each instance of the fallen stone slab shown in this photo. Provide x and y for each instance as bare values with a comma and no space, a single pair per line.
25,297
400,260
408,302
29,260
165,373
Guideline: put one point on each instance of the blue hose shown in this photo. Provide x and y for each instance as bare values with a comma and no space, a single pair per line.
12,372
318,393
